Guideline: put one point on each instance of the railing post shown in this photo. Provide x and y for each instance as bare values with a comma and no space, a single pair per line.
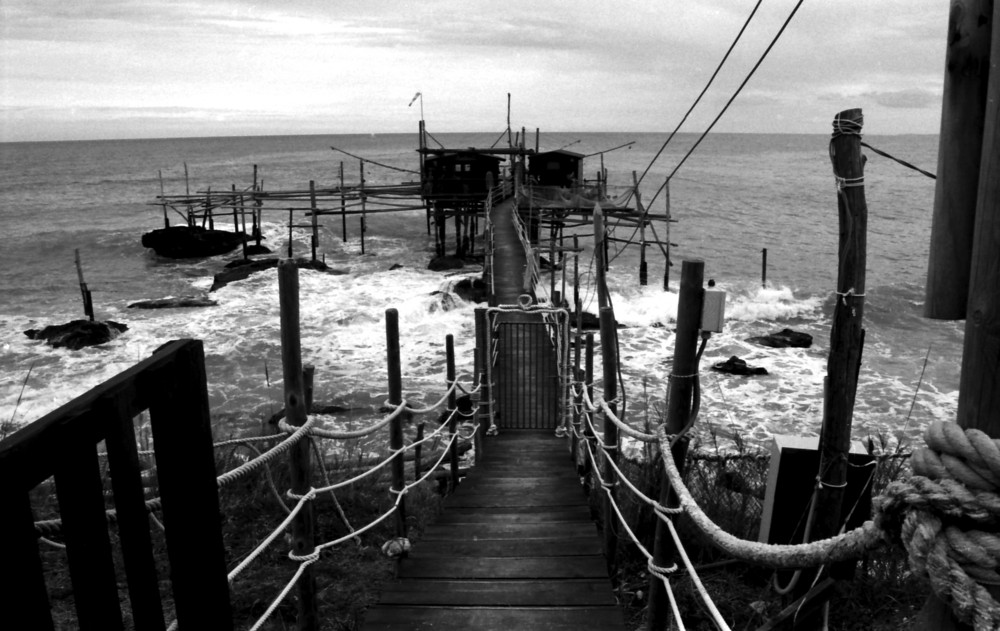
609,363
299,456
678,412
484,355
449,345
396,426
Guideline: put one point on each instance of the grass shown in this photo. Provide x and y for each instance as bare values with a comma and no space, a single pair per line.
729,487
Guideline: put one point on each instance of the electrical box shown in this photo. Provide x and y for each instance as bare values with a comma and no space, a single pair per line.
791,479
713,311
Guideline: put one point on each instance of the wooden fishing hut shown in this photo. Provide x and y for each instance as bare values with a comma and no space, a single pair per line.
455,183
556,168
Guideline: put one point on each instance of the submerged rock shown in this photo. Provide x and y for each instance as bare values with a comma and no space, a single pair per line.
174,303
186,242
244,268
255,249
78,333
785,338
736,366
472,290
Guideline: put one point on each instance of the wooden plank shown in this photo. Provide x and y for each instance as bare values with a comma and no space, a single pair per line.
490,619
509,593
133,518
472,516
24,599
88,547
509,548
515,499
182,436
592,566
500,530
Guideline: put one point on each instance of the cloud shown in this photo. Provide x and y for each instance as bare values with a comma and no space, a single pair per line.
909,98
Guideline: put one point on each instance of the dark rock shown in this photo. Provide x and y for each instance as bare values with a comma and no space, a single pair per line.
736,366
785,338
78,333
186,242
174,303
396,266
589,322
253,250
241,269
472,290
442,263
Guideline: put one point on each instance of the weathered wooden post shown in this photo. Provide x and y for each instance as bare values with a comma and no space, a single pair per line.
88,303
166,219
343,206
396,425
291,221
299,457
449,346
364,226
979,386
601,253
483,353
609,363
763,268
315,218
679,402
967,64
666,238
643,277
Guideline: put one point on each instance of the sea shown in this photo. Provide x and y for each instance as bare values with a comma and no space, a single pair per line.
737,195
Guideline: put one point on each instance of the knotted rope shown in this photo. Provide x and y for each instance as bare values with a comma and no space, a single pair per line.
947,516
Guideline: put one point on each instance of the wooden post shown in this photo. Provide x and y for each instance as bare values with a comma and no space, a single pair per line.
209,215
88,304
576,273
257,216
666,237
308,381
396,425
449,345
315,218
588,379
679,402
643,278
299,456
483,353
978,399
967,64
187,195
343,205
364,227
609,363
763,268
600,253
291,220
166,219
552,268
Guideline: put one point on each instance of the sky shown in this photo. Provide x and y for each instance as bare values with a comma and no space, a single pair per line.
96,69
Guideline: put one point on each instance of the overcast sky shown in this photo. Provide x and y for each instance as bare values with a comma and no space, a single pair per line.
82,69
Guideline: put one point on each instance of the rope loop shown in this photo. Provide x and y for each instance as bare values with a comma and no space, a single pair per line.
659,571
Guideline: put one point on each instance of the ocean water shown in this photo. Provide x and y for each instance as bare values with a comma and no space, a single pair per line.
735,196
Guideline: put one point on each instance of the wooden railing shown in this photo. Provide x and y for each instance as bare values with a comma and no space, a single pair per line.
171,385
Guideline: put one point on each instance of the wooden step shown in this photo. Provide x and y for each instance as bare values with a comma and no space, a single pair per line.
417,618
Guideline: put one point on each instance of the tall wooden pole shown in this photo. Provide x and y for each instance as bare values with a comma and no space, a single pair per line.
666,238
396,425
599,252
679,402
609,362
979,387
967,63
343,207
299,456
643,277
315,218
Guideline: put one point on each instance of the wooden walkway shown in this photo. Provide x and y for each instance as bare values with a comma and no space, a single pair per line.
515,548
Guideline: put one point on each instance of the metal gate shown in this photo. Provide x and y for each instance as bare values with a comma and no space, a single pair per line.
529,355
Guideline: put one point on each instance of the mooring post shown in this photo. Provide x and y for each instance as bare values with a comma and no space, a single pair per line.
291,220
763,268
299,457
449,346
963,116
679,402
396,425
979,385
315,218
364,227
609,363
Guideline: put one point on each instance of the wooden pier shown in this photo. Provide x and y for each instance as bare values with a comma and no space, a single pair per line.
515,548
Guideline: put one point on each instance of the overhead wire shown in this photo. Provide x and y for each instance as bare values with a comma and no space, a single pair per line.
732,98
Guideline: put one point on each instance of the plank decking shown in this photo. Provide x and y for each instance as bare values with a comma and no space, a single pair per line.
514,548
